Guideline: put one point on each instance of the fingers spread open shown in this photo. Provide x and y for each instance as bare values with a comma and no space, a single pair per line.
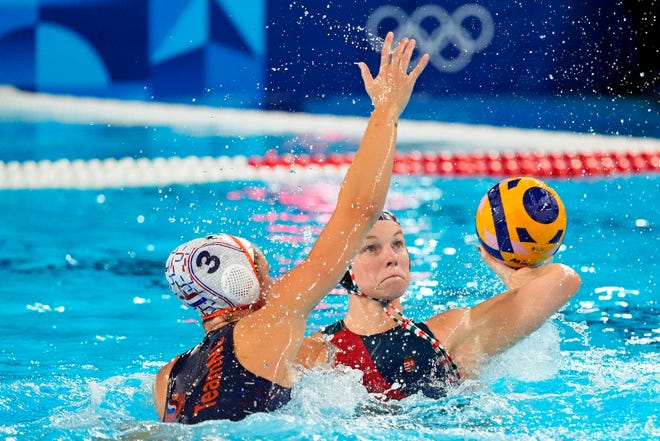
386,52
366,74
397,53
407,53
420,66
402,54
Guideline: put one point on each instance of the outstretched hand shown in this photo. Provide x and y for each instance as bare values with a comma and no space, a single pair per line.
393,85
511,277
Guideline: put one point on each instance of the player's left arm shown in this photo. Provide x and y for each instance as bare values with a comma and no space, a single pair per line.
532,297
160,387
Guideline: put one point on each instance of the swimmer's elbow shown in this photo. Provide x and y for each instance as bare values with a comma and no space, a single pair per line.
570,281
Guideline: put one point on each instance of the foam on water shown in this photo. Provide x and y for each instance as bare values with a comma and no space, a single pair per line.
566,395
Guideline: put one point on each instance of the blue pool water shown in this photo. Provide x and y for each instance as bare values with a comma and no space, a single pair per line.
87,317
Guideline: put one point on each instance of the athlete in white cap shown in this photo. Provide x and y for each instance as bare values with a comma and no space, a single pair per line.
254,325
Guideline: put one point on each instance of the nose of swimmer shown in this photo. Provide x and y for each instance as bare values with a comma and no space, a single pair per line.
392,256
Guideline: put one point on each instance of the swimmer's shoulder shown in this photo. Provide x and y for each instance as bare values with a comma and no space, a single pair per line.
449,325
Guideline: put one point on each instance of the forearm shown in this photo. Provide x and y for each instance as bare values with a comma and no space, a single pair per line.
368,179
511,316
545,288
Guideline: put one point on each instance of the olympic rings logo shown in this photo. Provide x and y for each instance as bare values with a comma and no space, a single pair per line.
450,31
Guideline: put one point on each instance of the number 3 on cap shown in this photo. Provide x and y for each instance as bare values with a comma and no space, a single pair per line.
205,258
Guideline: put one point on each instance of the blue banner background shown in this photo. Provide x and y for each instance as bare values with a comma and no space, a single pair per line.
288,55
536,47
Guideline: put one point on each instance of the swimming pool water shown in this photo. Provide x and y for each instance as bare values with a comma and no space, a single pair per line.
88,318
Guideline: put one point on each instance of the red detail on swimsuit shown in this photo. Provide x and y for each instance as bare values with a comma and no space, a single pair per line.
356,356
173,407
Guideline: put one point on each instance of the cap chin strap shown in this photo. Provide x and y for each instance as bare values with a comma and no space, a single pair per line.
394,313
253,306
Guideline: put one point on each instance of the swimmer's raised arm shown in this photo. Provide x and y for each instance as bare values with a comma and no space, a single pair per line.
281,322
245,362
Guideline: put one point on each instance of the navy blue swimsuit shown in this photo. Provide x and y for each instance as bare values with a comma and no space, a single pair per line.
209,383
395,363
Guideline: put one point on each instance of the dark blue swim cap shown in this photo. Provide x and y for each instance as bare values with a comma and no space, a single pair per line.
388,215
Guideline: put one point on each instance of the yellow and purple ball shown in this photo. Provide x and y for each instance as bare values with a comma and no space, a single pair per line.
521,221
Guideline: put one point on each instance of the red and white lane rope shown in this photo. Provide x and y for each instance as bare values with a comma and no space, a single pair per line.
129,172
540,164
142,172
468,150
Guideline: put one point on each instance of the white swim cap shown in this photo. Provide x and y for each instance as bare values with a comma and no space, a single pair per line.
214,273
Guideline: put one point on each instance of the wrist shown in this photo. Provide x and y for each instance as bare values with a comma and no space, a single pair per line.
385,116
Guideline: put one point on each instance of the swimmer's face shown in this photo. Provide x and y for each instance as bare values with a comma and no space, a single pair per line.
382,265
